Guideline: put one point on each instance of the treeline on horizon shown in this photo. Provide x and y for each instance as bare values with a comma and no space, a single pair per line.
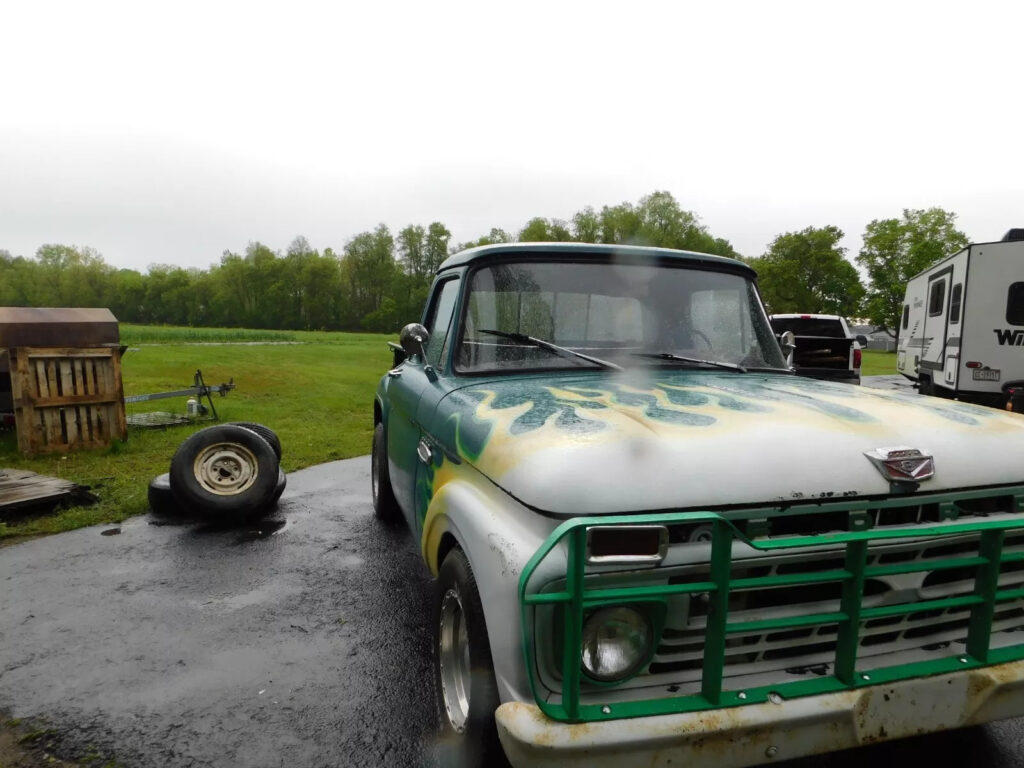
379,281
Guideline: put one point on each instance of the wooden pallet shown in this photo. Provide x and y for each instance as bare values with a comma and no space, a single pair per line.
67,398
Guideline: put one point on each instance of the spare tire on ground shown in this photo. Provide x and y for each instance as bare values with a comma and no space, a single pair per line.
265,432
161,500
227,471
163,503
282,481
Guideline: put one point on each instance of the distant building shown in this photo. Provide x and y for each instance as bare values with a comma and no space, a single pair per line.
877,338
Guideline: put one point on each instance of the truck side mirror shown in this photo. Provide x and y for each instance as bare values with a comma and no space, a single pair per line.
787,340
413,339
397,354
862,340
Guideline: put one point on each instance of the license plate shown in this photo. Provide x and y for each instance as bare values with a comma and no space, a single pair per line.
981,374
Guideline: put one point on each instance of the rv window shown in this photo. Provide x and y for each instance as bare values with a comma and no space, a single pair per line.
1015,304
906,315
938,293
954,304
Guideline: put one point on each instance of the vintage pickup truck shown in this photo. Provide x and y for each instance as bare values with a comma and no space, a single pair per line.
825,347
655,545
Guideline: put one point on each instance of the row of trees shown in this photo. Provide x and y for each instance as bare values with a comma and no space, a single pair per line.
379,280
807,271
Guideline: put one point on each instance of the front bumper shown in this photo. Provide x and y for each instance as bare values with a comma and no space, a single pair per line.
759,733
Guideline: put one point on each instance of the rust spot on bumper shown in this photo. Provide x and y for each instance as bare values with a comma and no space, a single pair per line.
750,735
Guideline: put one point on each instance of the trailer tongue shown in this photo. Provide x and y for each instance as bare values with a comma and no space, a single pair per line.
198,391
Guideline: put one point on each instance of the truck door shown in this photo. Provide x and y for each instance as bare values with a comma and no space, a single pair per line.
933,354
405,430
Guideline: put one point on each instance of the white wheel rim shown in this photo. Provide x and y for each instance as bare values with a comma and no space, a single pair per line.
226,469
453,656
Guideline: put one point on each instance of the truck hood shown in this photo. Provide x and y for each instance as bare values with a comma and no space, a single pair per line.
598,444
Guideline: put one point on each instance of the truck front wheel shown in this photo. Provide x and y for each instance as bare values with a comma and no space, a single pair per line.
464,685
384,503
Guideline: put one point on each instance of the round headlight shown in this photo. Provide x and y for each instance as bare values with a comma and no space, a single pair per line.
616,643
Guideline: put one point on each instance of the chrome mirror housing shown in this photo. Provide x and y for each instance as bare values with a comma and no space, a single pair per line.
414,338
787,340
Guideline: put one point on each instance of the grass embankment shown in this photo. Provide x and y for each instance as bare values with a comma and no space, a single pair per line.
316,394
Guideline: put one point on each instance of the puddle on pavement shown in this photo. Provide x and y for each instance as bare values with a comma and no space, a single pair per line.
263,529
253,530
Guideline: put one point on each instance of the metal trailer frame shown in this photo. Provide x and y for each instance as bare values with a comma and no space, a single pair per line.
199,388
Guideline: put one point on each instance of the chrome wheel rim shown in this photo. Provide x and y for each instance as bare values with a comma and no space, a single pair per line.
453,657
226,469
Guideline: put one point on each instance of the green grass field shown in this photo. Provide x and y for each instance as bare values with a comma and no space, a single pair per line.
875,363
317,395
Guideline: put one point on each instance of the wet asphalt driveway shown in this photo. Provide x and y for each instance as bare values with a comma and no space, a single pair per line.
303,642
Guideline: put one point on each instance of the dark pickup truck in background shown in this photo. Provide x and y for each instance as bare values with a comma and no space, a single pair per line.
825,346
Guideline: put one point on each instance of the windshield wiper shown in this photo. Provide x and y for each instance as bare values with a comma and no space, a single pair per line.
697,360
570,354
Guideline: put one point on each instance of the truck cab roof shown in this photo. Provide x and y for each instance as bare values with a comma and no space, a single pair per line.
588,251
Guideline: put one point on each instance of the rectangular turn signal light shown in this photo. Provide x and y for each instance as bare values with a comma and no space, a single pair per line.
625,544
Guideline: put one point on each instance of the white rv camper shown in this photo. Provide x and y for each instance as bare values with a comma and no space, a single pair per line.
962,330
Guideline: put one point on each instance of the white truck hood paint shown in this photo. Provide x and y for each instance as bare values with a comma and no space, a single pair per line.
580,445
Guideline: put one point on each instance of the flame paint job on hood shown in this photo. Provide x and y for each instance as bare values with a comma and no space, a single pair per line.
606,443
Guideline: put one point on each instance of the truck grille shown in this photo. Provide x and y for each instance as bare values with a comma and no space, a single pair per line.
810,650
785,602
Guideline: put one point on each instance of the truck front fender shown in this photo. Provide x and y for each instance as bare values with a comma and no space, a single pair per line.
498,536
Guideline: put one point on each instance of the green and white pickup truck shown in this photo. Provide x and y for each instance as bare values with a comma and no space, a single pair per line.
655,545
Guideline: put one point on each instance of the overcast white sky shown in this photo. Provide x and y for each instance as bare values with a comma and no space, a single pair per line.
167,133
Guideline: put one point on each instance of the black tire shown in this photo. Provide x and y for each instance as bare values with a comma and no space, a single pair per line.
163,503
161,499
282,481
263,431
226,471
384,503
468,735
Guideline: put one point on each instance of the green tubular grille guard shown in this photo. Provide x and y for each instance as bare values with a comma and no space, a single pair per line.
576,598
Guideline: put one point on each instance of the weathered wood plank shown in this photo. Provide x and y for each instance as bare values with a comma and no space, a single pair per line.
42,389
90,377
20,379
65,382
90,413
21,488
79,374
44,352
108,375
58,402
55,438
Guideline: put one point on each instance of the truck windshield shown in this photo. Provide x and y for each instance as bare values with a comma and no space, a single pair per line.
612,311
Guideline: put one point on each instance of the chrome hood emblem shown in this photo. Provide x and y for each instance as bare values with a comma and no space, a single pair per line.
901,464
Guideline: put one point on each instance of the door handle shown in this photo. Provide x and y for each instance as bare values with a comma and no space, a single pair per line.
424,452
